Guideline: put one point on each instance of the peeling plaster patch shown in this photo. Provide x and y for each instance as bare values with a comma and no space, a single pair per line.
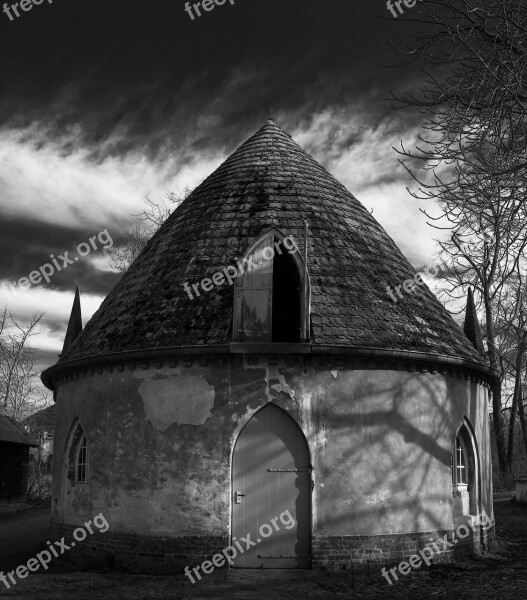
335,374
186,400
265,367
283,387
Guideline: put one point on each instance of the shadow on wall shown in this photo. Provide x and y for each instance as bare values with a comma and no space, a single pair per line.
398,438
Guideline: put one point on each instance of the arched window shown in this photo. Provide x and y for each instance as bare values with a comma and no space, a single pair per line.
465,472
459,467
80,471
271,294
78,456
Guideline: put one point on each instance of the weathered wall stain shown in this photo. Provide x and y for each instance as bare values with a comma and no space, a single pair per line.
186,400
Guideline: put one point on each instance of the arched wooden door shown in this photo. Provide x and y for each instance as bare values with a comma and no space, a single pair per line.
271,492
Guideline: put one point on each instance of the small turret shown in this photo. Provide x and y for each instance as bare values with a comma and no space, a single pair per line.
75,323
471,326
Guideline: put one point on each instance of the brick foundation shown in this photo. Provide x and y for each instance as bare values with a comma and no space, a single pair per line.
152,554
346,552
143,553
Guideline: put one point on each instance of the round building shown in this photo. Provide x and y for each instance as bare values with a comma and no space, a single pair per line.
252,383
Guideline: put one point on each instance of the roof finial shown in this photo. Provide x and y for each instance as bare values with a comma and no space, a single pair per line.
75,323
471,326
270,120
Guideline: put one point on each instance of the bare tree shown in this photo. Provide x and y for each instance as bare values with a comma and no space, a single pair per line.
512,332
124,256
474,60
20,391
473,149
485,250
154,215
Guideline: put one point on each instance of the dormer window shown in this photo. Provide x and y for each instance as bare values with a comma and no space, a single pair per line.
271,296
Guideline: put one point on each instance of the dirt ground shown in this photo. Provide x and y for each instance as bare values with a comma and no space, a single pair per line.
21,536
502,576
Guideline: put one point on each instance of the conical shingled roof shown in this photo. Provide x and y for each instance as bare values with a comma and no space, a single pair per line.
270,181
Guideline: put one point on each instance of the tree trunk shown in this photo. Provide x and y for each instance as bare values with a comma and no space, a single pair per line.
499,433
497,417
521,412
512,420
516,400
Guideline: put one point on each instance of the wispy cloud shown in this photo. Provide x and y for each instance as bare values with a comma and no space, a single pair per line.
45,183
358,150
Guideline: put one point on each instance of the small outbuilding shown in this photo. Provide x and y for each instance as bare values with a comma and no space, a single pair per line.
41,427
14,460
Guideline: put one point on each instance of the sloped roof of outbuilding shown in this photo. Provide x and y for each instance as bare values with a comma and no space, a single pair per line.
267,182
13,432
43,420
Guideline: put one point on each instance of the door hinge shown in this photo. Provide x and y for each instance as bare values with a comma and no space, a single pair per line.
288,470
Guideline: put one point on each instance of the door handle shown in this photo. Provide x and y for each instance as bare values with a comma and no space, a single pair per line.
238,497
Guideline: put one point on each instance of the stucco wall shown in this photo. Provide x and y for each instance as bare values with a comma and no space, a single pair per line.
160,443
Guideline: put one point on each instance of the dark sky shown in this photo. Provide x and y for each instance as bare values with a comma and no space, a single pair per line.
103,102
146,76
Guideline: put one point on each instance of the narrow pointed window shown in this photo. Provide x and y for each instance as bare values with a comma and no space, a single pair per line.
81,462
465,476
78,456
459,474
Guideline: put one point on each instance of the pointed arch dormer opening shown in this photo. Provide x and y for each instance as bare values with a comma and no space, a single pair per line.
271,299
